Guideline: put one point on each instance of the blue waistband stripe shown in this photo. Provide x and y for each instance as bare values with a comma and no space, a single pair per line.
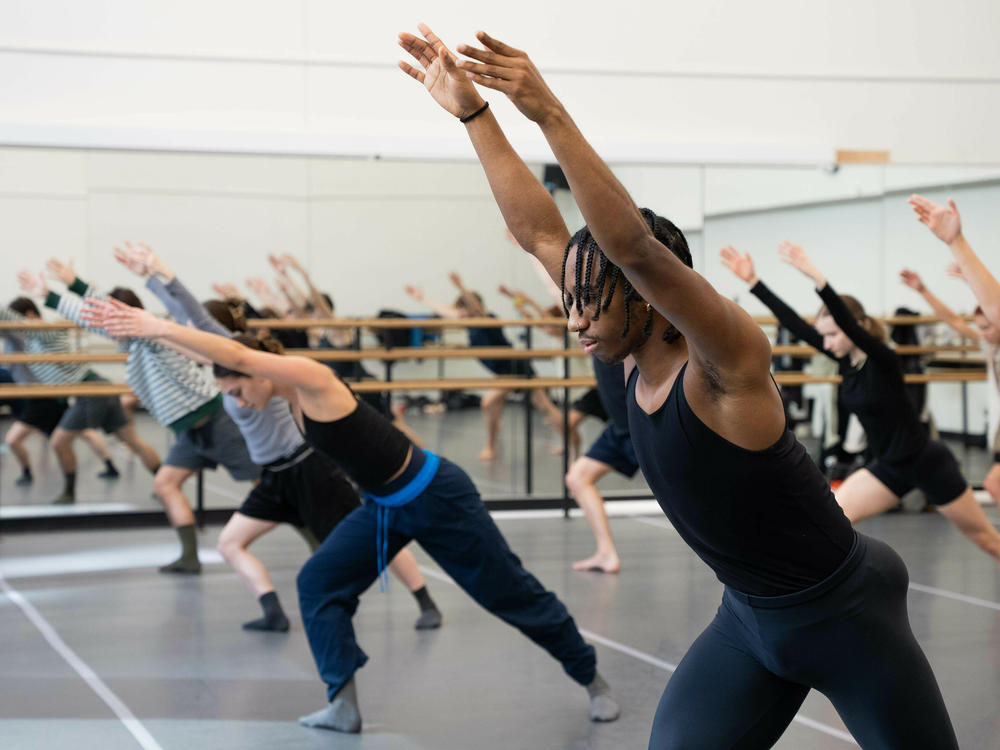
413,488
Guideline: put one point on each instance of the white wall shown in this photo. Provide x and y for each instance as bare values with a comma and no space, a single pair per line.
755,81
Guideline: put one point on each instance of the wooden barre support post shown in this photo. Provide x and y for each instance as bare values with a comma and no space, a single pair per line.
459,384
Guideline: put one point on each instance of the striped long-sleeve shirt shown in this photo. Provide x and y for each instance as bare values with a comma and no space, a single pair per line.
40,342
175,390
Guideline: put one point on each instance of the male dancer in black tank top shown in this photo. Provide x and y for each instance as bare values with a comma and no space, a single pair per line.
808,602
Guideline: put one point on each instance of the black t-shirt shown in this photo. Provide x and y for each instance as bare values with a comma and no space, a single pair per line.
875,391
765,521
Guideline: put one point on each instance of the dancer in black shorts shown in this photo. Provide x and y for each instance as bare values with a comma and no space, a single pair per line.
808,603
79,419
298,485
611,451
470,305
411,493
872,387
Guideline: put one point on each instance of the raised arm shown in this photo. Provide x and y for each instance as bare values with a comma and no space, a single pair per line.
721,336
946,224
315,383
67,305
529,211
912,279
471,301
796,257
741,264
319,302
445,311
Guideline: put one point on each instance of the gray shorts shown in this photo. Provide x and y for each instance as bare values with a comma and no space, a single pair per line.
218,441
92,412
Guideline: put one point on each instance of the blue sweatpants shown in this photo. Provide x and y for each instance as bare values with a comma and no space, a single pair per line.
450,522
848,637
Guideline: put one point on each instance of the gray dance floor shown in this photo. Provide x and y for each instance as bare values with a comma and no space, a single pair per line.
100,651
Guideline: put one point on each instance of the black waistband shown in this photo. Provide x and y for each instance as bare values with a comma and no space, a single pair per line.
844,570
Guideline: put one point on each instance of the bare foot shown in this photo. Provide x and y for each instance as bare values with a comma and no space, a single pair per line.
487,454
599,564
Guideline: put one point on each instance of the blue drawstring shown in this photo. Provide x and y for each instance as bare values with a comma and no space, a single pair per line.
382,546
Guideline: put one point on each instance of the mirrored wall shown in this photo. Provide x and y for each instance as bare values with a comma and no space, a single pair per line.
365,229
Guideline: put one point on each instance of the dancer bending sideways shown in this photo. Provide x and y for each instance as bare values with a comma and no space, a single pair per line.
298,485
988,336
808,602
470,305
411,493
872,387
180,395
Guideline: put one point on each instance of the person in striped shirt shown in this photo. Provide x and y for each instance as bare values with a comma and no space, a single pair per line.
50,416
181,395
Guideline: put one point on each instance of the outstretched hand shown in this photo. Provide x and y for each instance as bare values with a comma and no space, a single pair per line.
140,259
740,264
796,257
414,291
511,72
912,279
943,221
455,279
227,291
120,320
62,271
32,283
445,82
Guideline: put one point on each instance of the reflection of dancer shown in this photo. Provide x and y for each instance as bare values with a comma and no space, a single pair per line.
470,305
412,494
612,451
808,601
51,416
988,336
872,387
180,395
298,485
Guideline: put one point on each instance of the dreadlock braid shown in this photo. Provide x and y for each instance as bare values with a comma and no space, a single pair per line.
610,277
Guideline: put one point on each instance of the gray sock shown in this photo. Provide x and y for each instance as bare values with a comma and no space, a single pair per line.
602,706
342,715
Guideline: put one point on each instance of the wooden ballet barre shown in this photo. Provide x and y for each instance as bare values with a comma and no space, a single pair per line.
804,350
952,376
892,320
458,384
431,352
364,386
386,323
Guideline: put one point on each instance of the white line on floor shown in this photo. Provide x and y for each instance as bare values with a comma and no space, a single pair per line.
664,665
127,718
665,525
957,597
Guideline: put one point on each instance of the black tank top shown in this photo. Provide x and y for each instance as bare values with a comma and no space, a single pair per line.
765,521
366,445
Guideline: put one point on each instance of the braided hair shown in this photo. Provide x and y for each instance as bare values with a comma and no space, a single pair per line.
610,276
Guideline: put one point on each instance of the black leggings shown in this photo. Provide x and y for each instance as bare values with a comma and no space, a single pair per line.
848,637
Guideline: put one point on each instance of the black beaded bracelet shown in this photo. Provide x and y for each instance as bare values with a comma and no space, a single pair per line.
474,115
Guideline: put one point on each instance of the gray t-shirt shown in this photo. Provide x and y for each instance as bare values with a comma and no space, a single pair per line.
270,434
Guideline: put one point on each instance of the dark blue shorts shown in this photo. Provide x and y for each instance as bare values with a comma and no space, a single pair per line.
614,448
